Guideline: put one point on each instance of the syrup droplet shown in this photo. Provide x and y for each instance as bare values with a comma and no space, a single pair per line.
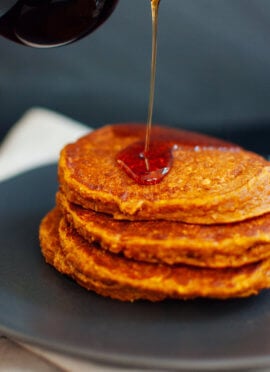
146,168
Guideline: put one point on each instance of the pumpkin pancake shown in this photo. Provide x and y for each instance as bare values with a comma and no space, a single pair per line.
211,181
128,280
225,245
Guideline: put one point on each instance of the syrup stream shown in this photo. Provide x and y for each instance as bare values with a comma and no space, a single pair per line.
149,161
154,10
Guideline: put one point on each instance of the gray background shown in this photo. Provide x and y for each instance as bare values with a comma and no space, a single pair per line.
213,71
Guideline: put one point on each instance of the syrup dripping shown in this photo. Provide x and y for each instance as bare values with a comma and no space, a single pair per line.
147,163
154,10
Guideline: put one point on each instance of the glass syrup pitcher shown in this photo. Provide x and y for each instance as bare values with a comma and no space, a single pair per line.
52,23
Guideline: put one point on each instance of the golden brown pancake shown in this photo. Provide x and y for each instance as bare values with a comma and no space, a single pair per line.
128,280
210,182
226,245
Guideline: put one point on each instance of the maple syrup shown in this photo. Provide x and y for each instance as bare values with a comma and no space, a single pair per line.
146,168
51,23
147,163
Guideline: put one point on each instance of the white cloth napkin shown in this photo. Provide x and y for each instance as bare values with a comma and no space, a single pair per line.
36,140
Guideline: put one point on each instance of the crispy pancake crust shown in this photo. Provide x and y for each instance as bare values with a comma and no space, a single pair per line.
210,181
173,242
128,280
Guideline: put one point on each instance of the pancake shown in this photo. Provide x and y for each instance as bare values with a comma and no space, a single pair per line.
128,280
226,245
50,244
211,181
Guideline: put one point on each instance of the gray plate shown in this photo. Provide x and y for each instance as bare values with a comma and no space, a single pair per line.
40,306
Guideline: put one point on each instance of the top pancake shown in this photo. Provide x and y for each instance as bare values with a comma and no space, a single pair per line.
211,181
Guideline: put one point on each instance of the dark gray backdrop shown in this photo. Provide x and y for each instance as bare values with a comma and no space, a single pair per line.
213,71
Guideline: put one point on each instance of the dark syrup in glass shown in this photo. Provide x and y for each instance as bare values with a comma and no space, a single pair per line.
51,23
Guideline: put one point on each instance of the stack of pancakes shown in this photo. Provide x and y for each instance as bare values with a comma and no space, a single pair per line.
203,231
